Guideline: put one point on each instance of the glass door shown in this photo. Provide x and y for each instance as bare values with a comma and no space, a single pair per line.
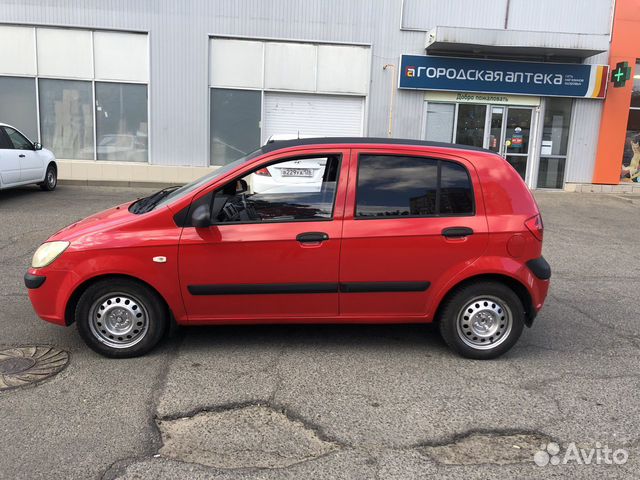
508,132
517,132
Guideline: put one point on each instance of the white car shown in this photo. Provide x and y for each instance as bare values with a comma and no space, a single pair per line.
23,162
289,177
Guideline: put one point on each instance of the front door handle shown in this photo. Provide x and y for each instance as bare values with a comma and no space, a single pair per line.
312,237
457,232
21,155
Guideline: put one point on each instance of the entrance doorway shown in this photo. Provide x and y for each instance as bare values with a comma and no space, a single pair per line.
507,130
508,135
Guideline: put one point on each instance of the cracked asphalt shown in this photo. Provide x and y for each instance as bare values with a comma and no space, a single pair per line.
366,402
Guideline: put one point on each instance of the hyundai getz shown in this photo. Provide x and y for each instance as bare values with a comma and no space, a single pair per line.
396,231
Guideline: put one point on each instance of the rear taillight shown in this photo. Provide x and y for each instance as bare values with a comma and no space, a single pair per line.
264,172
535,226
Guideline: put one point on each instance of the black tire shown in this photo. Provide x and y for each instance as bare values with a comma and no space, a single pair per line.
50,179
143,302
474,316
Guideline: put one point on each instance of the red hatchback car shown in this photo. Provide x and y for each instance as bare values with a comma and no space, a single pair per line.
345,230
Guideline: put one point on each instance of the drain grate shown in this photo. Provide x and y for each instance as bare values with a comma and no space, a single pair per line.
20,366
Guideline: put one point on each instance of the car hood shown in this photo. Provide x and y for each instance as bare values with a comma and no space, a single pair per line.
102,221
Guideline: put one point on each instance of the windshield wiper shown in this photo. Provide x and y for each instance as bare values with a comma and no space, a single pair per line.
146,204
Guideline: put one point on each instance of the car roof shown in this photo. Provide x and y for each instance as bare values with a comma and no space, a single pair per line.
280,144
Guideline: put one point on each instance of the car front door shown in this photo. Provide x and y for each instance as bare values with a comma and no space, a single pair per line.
9,161
272,251
31,164
411,222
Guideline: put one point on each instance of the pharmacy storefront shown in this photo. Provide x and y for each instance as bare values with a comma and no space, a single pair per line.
520,110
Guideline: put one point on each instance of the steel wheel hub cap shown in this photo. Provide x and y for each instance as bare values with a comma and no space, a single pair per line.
484,322
118,320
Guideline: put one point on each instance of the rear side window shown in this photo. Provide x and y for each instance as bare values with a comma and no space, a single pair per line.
404,186
5,142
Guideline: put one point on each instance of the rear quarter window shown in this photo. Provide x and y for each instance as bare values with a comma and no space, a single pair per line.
392,186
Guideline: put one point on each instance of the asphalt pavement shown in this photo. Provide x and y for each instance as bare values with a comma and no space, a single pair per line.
366,402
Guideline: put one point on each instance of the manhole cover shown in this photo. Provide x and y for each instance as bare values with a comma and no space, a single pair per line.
21,366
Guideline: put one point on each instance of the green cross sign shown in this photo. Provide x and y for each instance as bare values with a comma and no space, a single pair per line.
621,74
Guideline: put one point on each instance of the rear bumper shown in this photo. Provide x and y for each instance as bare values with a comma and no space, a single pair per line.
540,268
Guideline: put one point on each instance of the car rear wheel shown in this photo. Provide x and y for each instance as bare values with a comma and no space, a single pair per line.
482,320
121,318
50,179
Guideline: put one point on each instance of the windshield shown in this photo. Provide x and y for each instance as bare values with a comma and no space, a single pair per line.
196,184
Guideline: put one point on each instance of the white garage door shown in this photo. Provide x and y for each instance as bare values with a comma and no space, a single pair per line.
316,115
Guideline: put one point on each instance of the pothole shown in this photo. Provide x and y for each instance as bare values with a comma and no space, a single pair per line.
253,436
20,366
488,448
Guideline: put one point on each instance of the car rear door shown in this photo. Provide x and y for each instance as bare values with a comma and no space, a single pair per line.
31,164
273,254
412,220
9,161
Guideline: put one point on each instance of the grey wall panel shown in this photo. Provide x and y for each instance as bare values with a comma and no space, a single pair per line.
568,16
426,14
583,134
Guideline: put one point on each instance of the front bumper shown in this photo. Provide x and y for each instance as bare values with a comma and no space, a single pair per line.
32,281
49,292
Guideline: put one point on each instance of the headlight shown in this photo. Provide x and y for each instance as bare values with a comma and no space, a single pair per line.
47,253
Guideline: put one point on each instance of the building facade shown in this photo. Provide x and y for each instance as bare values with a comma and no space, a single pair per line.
162,91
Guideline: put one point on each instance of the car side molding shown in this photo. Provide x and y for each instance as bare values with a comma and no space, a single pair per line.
308,288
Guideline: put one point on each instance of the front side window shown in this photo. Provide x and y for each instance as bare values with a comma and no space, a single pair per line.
291,190
18,140
403,186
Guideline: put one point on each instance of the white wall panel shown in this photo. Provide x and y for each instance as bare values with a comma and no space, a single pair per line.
235,63
64,53
312,114
121,56
343,68
18,51
290,66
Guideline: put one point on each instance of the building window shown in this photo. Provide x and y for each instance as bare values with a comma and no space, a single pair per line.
470,127
66,118
440,120
18,104
630,171
121,122
555,137
235,124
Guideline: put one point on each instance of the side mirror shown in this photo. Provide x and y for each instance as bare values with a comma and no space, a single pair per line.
37,146
201,217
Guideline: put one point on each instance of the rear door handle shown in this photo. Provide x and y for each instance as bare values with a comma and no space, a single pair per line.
312,237
21,155
457,232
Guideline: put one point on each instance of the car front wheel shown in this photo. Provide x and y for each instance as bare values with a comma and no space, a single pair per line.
482,320
50,179
121,318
